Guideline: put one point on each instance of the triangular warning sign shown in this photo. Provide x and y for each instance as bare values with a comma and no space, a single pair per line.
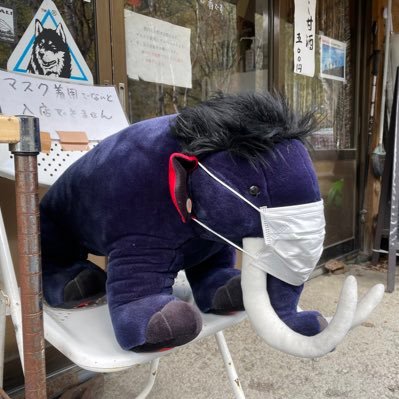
47,48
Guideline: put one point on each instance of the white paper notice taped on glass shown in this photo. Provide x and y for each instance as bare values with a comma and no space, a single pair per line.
60,105
157,51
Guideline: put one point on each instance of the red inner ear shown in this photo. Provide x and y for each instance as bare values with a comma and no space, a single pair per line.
179,167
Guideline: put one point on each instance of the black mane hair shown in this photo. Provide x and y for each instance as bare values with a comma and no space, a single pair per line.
245,125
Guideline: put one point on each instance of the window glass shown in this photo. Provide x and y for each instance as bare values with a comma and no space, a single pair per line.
334,143
228,52
332,99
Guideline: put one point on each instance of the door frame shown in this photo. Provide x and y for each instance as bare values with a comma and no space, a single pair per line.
103,42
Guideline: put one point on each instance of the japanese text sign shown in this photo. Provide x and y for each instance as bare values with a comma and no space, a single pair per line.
304,37
64,106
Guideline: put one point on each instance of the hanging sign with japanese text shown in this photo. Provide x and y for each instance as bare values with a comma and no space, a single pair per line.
304,37
63,106
157,51
47,48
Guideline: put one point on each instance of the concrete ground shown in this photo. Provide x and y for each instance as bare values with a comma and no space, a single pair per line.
365,365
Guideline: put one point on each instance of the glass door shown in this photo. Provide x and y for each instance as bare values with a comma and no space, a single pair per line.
223,46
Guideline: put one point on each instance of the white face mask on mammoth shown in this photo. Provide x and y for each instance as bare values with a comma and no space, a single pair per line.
293,238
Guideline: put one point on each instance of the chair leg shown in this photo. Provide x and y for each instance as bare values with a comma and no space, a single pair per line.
151,380
228,363
3,308
10,287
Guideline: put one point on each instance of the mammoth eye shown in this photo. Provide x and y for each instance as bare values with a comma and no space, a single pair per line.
254,190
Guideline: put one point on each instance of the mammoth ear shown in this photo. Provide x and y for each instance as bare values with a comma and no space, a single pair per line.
180,166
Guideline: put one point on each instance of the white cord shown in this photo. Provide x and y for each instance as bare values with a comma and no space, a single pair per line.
223,238
228,187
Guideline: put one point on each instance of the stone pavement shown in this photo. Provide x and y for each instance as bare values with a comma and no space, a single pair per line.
364,366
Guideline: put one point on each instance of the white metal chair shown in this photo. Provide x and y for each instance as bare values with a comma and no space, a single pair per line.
85,335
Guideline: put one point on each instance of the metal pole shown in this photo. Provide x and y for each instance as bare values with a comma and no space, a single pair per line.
394,219
229,365
3,311
28,231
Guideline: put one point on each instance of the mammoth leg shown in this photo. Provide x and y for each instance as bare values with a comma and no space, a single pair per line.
284,298
216,284
144,313
69,279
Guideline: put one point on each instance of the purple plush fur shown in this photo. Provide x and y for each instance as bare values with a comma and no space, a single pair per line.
115,201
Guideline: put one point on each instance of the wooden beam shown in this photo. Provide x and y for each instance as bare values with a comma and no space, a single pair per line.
119,79
373,184
103,39
9,129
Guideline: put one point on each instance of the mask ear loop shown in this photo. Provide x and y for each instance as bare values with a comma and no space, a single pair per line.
238,195
223,238
229,188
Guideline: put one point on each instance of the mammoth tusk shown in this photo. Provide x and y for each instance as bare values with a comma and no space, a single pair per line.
275,332
365,306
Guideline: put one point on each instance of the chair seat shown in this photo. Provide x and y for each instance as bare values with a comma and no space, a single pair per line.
87,338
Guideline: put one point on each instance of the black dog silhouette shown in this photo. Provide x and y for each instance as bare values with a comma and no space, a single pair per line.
50,52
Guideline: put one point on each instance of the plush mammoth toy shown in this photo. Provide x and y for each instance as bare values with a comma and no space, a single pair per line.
179,192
